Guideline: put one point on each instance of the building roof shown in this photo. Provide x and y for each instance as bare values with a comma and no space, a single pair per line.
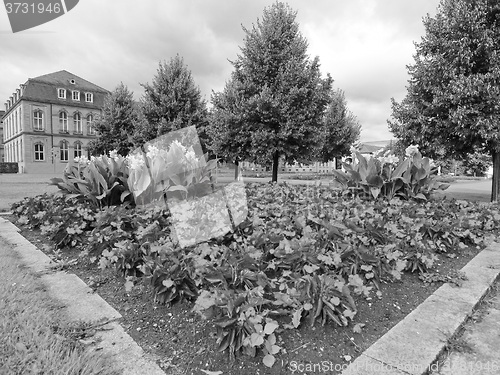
65,79
44,89
368,149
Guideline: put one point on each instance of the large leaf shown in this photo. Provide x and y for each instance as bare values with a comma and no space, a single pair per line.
400,169
375,181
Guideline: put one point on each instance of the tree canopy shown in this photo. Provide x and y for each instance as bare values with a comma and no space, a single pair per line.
115,126
171,102
274,102
341,129
452,106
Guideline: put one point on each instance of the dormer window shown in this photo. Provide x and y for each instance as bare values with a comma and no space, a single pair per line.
76,95
89,97
61,93
72,81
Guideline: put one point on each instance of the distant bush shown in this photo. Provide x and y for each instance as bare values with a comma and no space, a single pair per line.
9,168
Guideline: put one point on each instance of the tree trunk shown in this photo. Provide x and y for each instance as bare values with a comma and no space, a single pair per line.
495,186
236,170
276,160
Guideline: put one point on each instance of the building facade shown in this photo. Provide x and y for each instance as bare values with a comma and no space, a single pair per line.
2,158
48,121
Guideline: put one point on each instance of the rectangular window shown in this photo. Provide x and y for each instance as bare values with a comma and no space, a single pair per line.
61,93
38,120
76,95
39,152
77,122
89,97
78,149
63,122
64,151
90,125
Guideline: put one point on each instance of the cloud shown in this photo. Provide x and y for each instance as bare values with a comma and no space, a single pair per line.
363,44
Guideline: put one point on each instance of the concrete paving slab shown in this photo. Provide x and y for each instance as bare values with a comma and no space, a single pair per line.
483,337
414,344
80,300
367,365
115,341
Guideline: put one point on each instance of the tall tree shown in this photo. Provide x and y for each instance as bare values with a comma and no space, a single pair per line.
273,105
171,102
341,129
116,124
452,106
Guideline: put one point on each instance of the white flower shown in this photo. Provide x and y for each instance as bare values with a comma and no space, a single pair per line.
135,161
82,160
176,143
391,159
113,154
191,156
411,150
152,152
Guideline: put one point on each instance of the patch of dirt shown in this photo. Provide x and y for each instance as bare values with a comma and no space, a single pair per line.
185,344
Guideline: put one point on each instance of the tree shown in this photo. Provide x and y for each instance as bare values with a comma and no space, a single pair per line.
452,106
477,164
116,124
341,129
273,105
171,102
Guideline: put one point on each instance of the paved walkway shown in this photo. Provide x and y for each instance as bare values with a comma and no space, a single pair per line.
478,349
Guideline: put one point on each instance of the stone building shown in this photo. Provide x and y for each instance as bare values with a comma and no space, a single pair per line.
1,136
48,121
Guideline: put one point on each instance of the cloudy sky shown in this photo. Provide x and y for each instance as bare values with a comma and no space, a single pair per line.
364,44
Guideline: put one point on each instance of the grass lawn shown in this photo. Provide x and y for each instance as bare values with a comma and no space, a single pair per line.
14,187
35,338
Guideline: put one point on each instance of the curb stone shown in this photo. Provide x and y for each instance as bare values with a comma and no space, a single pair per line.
414,344
82,304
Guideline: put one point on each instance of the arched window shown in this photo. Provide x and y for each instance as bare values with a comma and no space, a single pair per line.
78,149
37,119
77,121
39,152
90,124
63,122
64,150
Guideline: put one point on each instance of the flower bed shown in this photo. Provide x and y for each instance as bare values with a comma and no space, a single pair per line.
303,257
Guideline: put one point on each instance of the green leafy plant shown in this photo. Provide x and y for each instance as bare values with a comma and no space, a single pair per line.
166,173
103,180
411,178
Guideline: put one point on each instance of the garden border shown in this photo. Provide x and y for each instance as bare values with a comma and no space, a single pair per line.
413,346
82,304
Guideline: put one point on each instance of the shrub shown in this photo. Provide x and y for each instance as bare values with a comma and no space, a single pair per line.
411,178
103,180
